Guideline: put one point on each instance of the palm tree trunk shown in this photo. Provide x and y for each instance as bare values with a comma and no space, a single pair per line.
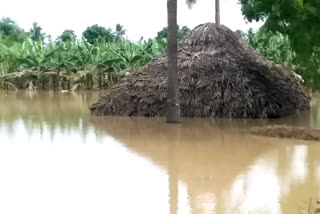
173,107
218,12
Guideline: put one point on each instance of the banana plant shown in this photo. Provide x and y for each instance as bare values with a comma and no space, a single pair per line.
77,61
108,71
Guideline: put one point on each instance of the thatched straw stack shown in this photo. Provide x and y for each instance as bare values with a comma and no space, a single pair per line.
220,76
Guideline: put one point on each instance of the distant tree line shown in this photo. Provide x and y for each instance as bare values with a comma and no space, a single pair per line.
10,30
96,61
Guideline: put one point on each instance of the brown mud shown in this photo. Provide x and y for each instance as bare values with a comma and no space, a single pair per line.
284,131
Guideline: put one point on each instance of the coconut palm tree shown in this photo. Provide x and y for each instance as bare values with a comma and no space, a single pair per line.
218,12
173,106
120,32
217,6
191,2
36,33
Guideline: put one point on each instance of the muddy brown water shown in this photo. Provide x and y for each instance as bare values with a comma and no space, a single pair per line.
55,158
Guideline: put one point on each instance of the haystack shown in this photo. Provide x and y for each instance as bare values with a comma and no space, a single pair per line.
220,76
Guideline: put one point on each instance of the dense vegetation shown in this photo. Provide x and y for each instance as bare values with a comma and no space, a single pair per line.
298,22
98,60
278,48
31,60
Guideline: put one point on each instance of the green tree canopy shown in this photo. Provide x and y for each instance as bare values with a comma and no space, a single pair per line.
163,34
299,19
9,29
96,32
36,33
67,35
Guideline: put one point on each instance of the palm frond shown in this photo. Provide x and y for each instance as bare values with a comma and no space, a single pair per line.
190,3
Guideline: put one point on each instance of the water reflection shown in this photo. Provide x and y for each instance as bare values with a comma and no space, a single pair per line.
318,172
257,190
224,170
45,117
299,162
183,199
55,158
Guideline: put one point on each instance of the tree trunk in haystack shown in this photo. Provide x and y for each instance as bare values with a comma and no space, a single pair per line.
220,75
173,107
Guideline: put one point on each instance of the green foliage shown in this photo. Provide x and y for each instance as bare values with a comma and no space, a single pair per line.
7,26
183,32
311,70
119,33
67,36
277,47
72,63
99,60
190,3
296,18
273,46
163,34
299,19
36,33
96,32
10,30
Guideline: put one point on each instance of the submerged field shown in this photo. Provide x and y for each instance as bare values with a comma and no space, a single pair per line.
52,150
34,61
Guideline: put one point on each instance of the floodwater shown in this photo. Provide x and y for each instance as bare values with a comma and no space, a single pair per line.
56,159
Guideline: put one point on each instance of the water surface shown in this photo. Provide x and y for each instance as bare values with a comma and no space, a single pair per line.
55,158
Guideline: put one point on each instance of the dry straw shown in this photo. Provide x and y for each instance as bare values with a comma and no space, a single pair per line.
220,76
